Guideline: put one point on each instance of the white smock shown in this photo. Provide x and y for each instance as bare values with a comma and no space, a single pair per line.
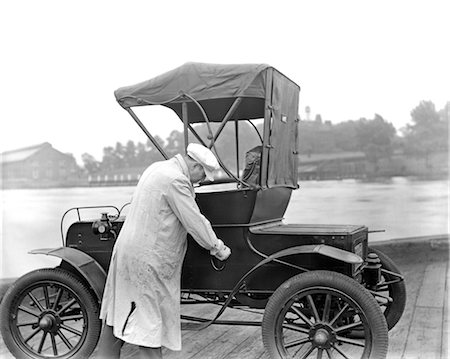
142,292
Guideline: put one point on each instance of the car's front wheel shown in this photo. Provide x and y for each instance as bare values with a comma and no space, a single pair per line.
50,313
313,314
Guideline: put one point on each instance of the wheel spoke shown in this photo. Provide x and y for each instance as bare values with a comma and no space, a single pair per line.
326,309
329,354
308,352
344,308
26,310
313,307
41,344
319,353
26,324
302,316
72,317
47,298
65,340
348,326
350,341
58,298
72,330
297,342
37,330
55,349
67,306
340,352
296,328
35,301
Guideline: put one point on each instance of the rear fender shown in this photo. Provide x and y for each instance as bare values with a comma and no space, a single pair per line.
86,266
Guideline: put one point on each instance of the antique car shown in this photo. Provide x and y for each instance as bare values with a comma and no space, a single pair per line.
323,290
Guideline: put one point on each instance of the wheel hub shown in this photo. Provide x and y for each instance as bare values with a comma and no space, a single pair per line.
48,322
322,336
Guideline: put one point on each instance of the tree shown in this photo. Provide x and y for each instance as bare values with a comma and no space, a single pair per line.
376,138
444,117
130,154
90,164
153,154
316,137
318,119
346,136
108,158
175,143
428,132
119,156
141,154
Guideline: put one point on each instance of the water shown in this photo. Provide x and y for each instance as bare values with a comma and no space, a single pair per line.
404,208
401,207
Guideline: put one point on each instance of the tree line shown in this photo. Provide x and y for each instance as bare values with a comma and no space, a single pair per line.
426,133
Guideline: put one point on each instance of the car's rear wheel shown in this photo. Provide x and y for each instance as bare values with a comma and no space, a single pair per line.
50,313
313,314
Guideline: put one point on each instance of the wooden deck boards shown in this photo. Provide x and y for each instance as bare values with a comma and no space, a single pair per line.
432,291
445,332
422,332
425,335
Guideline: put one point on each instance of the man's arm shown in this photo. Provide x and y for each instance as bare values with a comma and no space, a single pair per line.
183,204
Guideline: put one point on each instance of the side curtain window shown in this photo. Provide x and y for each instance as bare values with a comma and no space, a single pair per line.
283,158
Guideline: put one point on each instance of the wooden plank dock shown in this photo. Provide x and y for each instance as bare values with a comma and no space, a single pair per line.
422,332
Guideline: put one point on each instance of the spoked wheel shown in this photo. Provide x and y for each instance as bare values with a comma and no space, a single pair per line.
312,314
393,287
50,313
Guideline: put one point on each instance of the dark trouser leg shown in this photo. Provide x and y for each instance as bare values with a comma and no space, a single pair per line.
109,346
150,353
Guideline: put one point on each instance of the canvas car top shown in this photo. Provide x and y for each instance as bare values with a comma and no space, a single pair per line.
214,85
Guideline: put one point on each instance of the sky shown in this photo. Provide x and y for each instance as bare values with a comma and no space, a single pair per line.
62,60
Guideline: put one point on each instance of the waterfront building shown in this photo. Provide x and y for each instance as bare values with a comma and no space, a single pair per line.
38,166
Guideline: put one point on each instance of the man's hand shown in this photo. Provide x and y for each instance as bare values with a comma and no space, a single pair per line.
221,251
223,254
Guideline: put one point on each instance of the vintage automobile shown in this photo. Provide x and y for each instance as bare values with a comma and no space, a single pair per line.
324,291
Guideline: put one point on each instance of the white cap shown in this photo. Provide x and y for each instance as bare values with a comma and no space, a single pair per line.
205,157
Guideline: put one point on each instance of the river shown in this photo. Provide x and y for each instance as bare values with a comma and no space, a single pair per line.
31,218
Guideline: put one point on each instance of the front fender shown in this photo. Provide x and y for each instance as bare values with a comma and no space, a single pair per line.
322,249
86,266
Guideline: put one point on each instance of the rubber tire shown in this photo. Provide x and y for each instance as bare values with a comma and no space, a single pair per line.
397,291
329,279
51,275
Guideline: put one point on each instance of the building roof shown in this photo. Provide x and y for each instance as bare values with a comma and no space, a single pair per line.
22,153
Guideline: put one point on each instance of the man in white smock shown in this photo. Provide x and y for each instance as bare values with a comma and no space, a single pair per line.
141,301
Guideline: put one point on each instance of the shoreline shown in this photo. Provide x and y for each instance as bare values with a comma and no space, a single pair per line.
111,183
